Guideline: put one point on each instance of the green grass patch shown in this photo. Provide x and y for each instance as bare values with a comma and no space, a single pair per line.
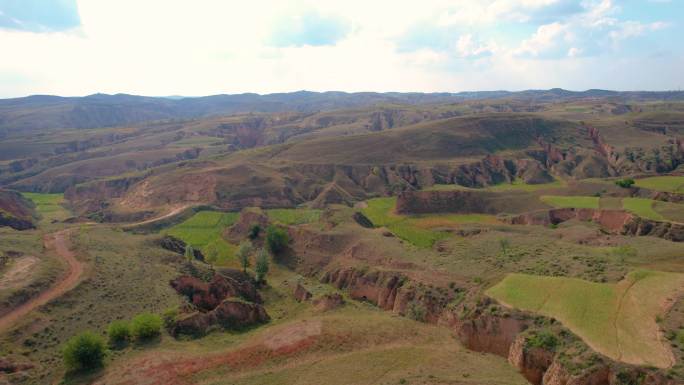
49,206
418,230
297,216
618,320
671,211
663,183
577,202
642,207
203,231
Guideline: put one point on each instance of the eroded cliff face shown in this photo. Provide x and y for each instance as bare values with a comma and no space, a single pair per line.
614,221
482,325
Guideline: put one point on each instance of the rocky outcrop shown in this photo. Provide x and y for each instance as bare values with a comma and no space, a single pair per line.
328,302
362,220
667,197
207,296
16,211
229,314
301,294
464,202
532,362
178,246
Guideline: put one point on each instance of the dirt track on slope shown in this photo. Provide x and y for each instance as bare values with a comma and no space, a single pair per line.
59,242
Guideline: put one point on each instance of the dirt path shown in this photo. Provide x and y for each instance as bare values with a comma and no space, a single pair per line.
171,213
59,242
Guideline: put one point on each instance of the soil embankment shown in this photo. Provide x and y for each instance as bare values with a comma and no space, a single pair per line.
59,242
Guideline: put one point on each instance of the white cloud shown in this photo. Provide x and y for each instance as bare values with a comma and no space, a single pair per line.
165,47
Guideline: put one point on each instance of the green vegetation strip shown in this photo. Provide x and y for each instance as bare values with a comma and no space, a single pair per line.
663,183
577,202
642,207
293,216
618,320
416,229
203,231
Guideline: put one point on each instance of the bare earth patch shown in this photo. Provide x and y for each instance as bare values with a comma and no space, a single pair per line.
19,273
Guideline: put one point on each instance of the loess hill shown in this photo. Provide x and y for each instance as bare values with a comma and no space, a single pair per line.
472,238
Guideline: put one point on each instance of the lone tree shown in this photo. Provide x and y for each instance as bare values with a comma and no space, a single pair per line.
84,352
189,253
261,266
243,254
625,183
276,239
505,244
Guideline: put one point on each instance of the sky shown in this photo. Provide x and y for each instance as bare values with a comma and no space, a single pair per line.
205,47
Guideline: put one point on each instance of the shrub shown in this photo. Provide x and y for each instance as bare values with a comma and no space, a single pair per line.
119,333
84,352
146,325
625,183
170,316
243,254
189,253
417,311
254,231
276,239
544,339
261,267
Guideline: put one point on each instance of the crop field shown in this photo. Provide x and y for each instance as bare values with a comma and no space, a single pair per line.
293,216
642,207
419,230
203,231
663,183
577,202
618,320
49,206
671,211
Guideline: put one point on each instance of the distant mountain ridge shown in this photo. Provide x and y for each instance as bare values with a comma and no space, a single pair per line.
103,110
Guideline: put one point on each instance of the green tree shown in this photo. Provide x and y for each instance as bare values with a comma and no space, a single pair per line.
261,266
243,254
84,352
505,244
189,253
119,333
276,239
254,231
146,326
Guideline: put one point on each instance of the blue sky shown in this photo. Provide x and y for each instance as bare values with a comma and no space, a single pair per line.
200,47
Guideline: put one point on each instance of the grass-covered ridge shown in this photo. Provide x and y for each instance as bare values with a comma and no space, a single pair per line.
293,216
618,320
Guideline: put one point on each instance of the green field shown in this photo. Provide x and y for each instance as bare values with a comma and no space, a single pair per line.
618,320
577,202
419,230
203,231
642,207
663,183
293,216
49,206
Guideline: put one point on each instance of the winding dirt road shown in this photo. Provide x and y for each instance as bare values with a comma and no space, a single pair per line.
59,242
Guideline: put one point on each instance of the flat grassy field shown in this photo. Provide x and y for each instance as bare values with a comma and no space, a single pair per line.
49,206
419,230
663,183
293,216
642,207
577,202
671,211
203,231
618,320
